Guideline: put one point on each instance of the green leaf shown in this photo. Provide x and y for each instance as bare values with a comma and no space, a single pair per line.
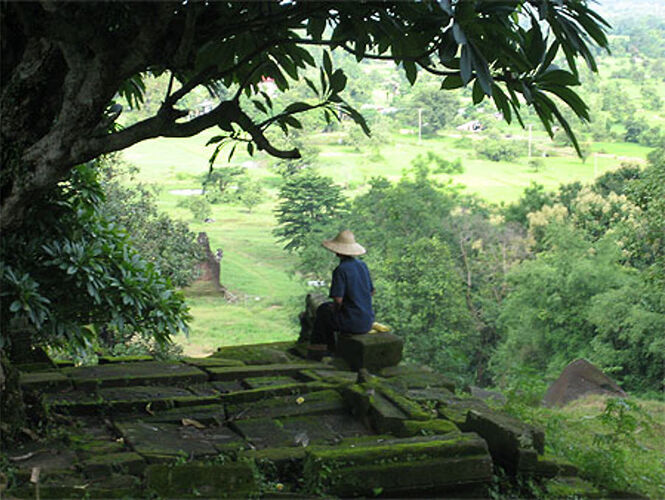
215,139
337,81
459,35
250,148
316,26
558,77
327,63
452,82
297,107
311,85
477,94
293,122
15,306
465,64
410,70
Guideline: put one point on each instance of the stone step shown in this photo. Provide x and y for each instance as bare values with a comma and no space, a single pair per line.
299,431
115,400
205,480
313,403
161,442
137,373
433,464
224,373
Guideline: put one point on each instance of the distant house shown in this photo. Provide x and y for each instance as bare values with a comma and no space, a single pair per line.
472,126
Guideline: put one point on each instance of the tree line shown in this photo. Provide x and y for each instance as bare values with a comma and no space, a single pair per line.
488,291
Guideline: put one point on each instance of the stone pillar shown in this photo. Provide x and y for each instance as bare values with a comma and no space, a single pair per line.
209,269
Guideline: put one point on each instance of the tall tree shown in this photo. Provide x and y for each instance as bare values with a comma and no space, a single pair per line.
64,63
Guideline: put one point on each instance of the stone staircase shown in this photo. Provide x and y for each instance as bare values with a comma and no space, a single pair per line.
262,421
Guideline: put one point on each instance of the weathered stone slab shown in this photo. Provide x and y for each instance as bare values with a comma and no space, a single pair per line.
88,449
257,382
226,386
433,427
372,351
259,354
455,408
212,361
124,399
243,372
103,465
512,443
274,391
435,465
103,360
209,415
314,403
299,431
154,441
384,415
199,480
139,373
43,381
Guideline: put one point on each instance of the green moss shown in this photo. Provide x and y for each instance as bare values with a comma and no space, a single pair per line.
232,480
273,391
427,428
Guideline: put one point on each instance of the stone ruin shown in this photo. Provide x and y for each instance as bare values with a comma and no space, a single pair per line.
263,421
209,267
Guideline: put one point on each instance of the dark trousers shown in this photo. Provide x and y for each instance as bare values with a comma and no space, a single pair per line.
326,324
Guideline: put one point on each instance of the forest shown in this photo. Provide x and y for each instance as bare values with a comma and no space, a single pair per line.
500,253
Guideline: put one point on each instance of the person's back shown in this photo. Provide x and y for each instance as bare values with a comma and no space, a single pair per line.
351,290
352,282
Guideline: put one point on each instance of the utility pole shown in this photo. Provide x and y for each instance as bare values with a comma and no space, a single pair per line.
420,125
530,127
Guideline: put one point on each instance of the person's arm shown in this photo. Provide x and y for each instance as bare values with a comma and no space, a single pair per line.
337,303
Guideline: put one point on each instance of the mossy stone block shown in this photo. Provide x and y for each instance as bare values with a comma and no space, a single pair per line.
212,361
244,372
259,354
357,399
257,382
196,480
426,428
131,374
385,416
512,443
371,351
313,403
263,393
103,465
439,464
171,440
104,360
94,447
43,381
213,414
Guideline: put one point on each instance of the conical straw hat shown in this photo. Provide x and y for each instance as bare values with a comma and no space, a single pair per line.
344,244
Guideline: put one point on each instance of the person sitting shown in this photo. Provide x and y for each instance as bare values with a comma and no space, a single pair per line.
351,290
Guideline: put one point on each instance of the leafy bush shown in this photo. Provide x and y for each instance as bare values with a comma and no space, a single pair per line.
498,149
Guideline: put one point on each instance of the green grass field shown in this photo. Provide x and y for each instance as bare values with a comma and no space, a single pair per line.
256,269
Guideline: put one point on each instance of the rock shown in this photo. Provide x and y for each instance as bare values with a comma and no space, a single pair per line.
136,373
580,378
371,351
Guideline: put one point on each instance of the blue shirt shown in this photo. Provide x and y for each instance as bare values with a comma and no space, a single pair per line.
352,282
